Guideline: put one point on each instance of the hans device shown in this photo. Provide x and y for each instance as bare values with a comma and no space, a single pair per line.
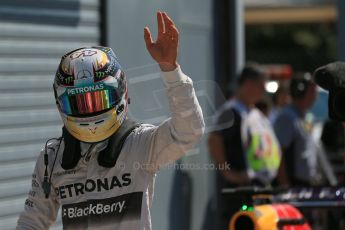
72,153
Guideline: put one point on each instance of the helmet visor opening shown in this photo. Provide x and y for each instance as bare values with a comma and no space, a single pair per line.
81,105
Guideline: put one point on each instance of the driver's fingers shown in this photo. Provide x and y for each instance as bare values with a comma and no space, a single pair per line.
170,28
160,22
147,37
167,20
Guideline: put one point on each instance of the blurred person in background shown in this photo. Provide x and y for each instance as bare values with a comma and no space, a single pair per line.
264,105
245,140
333,143
294,130
280,99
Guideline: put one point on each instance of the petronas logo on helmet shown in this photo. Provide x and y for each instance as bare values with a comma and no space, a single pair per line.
85,89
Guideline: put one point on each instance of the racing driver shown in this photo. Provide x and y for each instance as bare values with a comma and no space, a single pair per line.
89,171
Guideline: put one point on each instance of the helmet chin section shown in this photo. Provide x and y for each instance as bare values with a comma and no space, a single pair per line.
93,129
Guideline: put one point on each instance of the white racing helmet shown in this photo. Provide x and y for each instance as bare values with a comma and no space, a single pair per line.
91,93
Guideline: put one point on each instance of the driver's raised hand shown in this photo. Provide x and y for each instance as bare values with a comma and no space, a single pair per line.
164,49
